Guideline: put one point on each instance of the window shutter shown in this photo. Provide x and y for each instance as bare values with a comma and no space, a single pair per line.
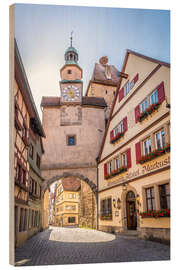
125,127
121,94
161,92
105,170
137,113
128,153
138,151
136,78
111,135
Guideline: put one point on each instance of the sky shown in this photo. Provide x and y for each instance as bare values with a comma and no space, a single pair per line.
43,34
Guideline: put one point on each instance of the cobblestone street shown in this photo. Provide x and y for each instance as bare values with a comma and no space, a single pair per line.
75,245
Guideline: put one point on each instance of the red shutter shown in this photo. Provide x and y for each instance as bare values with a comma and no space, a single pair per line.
121,94
111,135
138,151
137,113
128,153
105,170
125,127
136,78
161,92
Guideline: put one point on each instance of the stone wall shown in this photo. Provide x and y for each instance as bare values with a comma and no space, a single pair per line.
87,207
156,234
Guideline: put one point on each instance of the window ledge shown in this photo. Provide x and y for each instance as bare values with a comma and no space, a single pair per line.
117,137
114,173
148,112
154,154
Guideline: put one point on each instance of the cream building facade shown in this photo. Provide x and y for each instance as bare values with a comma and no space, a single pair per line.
134,160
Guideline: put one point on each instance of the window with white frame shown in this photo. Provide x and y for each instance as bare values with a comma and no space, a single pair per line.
160,139
116,130
117,163
147,146
121,127
110,167
144,105
126,88
154,97
124,159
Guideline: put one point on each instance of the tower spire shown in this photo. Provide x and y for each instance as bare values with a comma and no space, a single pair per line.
71,38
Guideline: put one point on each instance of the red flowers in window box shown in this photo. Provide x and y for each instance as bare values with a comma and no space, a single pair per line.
155,213
154,154
117,137
116,172
148,111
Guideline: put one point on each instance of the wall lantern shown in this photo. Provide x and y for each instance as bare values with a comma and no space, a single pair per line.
124,187
117,204
138,200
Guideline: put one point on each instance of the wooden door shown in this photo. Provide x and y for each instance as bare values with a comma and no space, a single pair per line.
131,215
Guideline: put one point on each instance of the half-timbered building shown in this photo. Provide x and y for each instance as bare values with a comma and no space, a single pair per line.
134,160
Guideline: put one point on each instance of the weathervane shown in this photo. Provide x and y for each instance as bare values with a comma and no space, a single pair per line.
71,38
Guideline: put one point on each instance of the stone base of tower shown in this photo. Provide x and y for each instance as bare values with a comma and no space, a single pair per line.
88,209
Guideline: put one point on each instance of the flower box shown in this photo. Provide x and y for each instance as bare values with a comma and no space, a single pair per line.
117,137
154,154
155,213
148,111
116,172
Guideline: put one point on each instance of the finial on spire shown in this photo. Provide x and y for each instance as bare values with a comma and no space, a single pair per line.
71,38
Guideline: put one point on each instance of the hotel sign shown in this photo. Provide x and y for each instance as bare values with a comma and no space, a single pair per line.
145,169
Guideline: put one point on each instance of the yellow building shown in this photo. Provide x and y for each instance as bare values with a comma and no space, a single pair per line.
134,160
67,202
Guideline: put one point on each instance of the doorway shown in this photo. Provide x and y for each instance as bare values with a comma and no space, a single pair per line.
131,211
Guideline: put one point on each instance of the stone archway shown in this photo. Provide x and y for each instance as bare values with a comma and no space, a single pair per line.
88,198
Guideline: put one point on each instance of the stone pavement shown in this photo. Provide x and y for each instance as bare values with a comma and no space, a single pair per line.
74,246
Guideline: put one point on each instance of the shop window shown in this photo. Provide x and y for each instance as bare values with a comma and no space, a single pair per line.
164,192
150,199
106,208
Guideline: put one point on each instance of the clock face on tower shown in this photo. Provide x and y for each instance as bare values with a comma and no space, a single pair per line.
71,93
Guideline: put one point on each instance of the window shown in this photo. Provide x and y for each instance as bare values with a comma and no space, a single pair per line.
147,146
30,218
71,219
144,105
150,200
106,92
110,167
25,220
117,163
21,219
126,88
24,176
72,196
69,71
160,139
124,159
154,97
106,208
71,140
38,161
31,151
118,128
164,192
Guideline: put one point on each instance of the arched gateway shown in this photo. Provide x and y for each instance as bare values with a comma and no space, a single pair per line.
74,126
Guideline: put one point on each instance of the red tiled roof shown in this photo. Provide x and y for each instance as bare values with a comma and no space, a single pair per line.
56,101
99,74
70,184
